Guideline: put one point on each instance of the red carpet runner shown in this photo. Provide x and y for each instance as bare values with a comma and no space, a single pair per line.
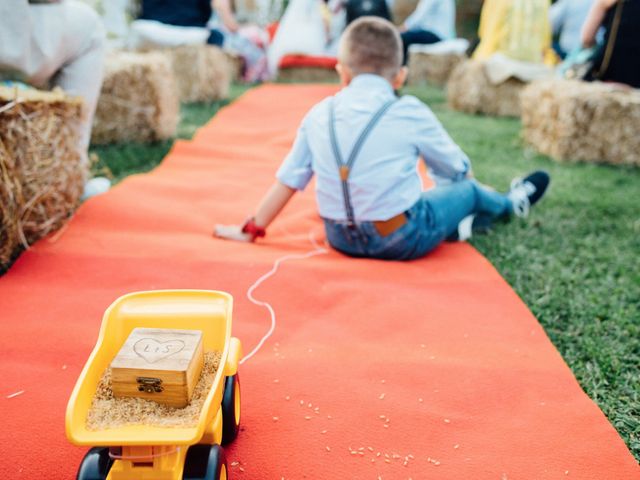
432,369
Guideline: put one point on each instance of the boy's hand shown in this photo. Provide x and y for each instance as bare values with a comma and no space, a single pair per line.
232,232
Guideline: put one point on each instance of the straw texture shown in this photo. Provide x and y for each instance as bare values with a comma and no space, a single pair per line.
469,90
139,100
427,68
108,411
571,120
41,171
203,72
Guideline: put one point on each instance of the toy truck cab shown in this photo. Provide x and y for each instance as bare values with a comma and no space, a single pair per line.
144,452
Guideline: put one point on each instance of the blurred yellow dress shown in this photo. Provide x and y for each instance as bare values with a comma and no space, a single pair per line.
519,29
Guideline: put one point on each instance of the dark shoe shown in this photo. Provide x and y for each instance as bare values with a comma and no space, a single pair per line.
215,38
527,191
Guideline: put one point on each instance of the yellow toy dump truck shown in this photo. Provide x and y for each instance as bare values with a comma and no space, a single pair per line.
143,452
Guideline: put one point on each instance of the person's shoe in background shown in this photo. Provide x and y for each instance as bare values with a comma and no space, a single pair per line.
95,186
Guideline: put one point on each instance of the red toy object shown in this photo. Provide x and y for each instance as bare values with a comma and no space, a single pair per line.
301,61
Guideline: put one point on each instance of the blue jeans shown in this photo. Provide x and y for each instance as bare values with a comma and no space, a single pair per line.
430,221
421,37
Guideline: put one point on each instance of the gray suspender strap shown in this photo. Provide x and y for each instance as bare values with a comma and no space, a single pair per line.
345,168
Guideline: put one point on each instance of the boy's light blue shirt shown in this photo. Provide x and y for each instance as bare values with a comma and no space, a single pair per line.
435,16
384,181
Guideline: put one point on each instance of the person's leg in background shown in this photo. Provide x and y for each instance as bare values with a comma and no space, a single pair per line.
69,38
82,73
421,37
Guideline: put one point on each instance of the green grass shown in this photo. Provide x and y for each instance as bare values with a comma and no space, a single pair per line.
574,261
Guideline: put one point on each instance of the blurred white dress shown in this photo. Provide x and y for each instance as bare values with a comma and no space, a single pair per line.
301,31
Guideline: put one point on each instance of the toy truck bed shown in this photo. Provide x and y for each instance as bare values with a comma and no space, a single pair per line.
208,311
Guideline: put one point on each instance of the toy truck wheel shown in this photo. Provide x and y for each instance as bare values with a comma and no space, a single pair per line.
231,409
95,464
205,462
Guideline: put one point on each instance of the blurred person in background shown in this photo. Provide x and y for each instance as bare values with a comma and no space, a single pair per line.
303,30
518,29
171,23
366,8
567,18
58,43
619,58
432,21
243,24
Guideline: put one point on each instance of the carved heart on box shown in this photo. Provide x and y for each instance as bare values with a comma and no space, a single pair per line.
152,351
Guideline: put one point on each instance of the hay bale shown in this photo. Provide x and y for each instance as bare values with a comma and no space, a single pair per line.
203,72
469,90
139,99
571,120
41,170
430,68
307,75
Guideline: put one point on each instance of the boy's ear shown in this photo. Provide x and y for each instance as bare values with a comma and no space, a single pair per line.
344,73
400,78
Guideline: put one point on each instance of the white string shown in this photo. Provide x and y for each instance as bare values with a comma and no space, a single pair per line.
319,250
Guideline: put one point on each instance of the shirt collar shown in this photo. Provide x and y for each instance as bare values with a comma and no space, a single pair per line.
369,81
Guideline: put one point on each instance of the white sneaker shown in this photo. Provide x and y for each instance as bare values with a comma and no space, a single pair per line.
95,186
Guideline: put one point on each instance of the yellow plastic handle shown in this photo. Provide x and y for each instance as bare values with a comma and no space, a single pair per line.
233,359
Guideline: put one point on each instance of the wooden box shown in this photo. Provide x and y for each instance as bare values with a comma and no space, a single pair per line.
156,364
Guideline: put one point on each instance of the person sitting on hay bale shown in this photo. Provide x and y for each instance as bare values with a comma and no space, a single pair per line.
518,29
355,9
172,23
243,25
363,144
617,59
431,22
567,18
56,44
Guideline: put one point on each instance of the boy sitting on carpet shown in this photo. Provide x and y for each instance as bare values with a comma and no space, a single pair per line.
363,144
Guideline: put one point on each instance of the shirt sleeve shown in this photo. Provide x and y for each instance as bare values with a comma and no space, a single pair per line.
445,160
296,171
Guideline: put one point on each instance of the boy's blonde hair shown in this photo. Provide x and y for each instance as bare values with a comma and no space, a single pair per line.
371,45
